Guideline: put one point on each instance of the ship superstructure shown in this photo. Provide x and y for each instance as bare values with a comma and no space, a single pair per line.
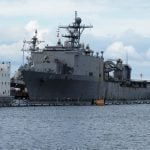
70,73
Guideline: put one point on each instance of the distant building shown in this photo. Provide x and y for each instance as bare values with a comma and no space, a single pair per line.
5,79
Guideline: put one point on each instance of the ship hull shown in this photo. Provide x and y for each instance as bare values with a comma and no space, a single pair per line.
51,88
69,89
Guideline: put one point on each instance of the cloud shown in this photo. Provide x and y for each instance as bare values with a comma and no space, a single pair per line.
131,37
120,27
114,46
139,61
11,51
34,25
106,16
48,7
148,54
119,50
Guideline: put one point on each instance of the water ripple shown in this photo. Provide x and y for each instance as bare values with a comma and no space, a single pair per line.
123,127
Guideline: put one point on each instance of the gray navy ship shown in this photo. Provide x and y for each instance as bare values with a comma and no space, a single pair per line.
71,73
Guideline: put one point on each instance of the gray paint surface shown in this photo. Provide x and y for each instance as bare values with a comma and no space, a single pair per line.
72,72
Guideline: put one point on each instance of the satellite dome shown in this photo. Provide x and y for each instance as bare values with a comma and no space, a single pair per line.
78,20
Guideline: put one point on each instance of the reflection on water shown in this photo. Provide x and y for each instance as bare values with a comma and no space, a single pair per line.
75,128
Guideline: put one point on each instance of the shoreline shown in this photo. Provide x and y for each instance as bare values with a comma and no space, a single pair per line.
27,103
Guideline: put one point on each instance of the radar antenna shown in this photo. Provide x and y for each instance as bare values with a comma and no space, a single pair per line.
34,42
74,31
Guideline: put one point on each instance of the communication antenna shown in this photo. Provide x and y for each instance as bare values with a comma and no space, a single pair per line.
33,42
75,31
58,33
76,14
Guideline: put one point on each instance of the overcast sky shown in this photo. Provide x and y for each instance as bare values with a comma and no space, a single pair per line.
120,28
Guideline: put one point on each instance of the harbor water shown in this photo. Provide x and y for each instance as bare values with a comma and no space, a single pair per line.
113,127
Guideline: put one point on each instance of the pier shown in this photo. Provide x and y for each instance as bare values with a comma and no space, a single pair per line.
11,102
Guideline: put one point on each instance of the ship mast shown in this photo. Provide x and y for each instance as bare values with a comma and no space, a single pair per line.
33,44
74,31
